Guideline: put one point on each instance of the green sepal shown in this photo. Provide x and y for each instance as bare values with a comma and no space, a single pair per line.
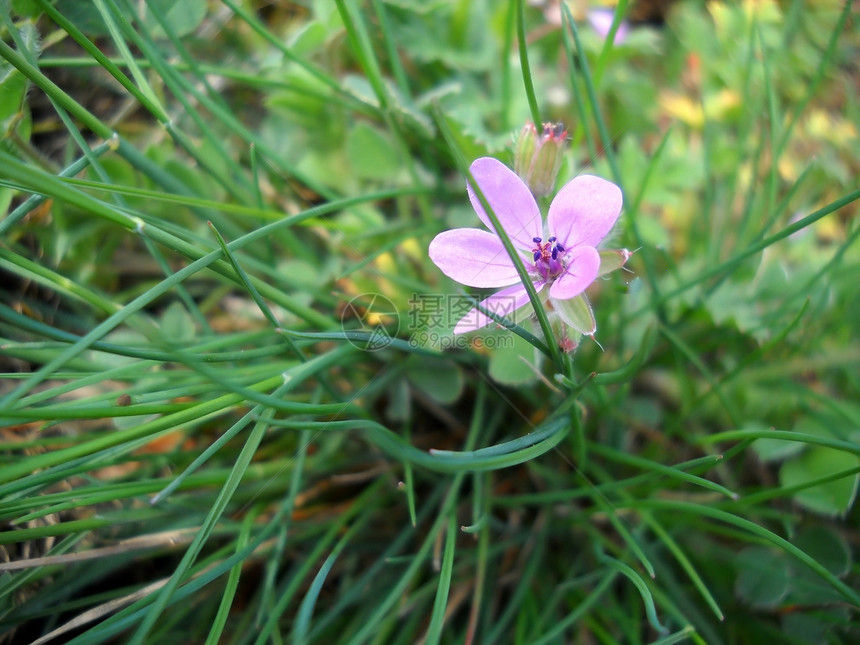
576,313
612,260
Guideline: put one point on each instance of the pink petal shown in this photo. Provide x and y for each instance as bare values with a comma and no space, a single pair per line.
584,211
601,22
502,303
473,257
510,199
582,268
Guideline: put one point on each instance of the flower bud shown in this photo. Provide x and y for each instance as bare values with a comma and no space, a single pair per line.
537,157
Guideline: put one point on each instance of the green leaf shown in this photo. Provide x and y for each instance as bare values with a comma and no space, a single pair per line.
13,89
438,36
470,139
27,8
440,379
84,15
121,336
774,449
308,38
182,16
828,547
830,498
402,106
809,627
177,325
359,219
371,153
511,360
832,552
6,195
399,404
737,303
763,576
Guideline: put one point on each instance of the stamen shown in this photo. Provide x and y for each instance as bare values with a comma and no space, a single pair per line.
549,263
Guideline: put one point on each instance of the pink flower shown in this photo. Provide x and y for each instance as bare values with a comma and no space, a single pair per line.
601,22
562,261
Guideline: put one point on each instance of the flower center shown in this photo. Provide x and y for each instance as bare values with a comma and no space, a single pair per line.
549,257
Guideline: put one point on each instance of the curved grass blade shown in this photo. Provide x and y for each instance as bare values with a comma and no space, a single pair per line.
647,599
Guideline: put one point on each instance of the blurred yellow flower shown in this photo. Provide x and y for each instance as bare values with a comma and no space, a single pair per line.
830,127
762,11
717,107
